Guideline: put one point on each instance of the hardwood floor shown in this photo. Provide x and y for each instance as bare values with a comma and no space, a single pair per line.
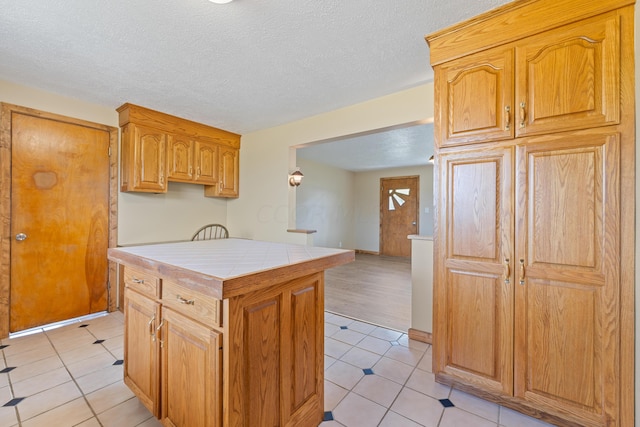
375,289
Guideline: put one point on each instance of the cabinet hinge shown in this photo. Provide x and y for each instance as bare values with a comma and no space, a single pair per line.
109,151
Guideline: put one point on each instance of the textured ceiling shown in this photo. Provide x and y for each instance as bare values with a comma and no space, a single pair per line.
409,146
242,66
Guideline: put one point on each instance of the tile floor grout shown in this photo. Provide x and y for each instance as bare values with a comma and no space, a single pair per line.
374,376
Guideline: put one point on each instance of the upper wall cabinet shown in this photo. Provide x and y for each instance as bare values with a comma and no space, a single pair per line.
559,80
157,148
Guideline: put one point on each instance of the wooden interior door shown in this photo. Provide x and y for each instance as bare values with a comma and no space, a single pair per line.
474,286
399,203
60,181
567,299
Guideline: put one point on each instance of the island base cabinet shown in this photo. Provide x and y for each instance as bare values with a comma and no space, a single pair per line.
275,355
190,386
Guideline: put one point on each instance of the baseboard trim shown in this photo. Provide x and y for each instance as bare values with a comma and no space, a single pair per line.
362,251
418,335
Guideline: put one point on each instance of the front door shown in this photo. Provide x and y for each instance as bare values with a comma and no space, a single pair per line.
398,214
60,181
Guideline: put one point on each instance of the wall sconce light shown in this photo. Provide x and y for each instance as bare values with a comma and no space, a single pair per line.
431,159
295,178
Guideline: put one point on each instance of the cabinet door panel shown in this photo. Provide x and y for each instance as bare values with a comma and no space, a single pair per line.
190,372
474,315
229,179
180,158
149,159
206,162
141,368
568,299
568,79
476,96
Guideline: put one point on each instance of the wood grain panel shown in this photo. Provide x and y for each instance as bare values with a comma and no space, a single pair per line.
60,202
563,338
180,158
473,287
568,301
304,341
206,163
190,372
142,368
149,159
474,328
475,205
262,363
478,97
565,199
566,78
129,113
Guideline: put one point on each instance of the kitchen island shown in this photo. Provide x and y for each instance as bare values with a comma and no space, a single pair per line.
226,332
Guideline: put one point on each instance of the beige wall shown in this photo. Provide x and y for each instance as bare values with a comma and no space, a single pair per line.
344,207
325,202
142,218
266,205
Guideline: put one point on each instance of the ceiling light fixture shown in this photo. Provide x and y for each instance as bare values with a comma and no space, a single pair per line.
220,1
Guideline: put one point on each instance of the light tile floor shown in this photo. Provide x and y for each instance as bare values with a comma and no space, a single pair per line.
72,376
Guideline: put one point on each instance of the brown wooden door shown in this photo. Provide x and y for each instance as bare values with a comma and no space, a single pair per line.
477,97
60,206
474,283
568,78
399,203
568,251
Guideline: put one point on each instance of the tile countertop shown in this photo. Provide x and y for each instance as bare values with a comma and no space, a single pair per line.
228,267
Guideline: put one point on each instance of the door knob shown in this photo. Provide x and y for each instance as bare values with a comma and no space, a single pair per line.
413,223
20,237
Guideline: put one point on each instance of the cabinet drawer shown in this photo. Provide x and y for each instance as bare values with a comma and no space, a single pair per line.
193,304
141,281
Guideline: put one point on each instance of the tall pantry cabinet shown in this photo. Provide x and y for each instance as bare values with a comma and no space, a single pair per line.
534,235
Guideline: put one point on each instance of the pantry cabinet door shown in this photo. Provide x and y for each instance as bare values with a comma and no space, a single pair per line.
475,98
568,78
473,284
567,296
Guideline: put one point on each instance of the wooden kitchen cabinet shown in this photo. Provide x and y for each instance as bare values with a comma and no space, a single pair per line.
143,160
476,341
228,160
558,80
227,347
534,251
141,348
191,372
192,161
157,148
